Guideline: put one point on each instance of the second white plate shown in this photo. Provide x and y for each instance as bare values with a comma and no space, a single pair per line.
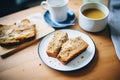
78,62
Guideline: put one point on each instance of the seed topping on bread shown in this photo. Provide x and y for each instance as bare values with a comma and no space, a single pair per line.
55,44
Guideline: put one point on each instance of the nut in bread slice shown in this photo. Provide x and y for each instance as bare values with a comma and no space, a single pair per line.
71,48
55,44
16,33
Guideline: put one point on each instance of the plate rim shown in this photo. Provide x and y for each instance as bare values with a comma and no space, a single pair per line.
64,69
73,20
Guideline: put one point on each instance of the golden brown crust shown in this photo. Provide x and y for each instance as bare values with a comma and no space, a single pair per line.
16,33
55,44
71,48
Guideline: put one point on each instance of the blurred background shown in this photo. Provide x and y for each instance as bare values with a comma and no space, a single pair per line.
11,6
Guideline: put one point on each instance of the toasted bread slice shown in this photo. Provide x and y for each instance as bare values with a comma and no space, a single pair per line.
71,48
55,44
16,33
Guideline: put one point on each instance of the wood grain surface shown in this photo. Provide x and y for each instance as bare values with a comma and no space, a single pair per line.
26,64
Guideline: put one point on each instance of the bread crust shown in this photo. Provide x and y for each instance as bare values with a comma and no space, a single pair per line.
17,33
71,48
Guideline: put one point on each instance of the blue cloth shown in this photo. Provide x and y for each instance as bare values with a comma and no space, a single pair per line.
114,23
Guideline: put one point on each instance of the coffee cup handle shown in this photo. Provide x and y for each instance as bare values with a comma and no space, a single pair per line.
43,3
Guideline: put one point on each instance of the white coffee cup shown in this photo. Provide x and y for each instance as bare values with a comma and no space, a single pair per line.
57,9
93,25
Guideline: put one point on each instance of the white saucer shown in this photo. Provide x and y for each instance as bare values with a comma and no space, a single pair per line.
70,20
78,62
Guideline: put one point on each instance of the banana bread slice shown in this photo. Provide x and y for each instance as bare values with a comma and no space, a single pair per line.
71,48
16,33
55,44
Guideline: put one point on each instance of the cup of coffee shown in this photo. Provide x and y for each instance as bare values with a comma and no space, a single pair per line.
56,8
93,17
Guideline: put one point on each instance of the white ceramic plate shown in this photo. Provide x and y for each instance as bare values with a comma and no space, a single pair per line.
78,62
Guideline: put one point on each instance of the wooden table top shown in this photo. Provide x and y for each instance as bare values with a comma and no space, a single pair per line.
26,64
